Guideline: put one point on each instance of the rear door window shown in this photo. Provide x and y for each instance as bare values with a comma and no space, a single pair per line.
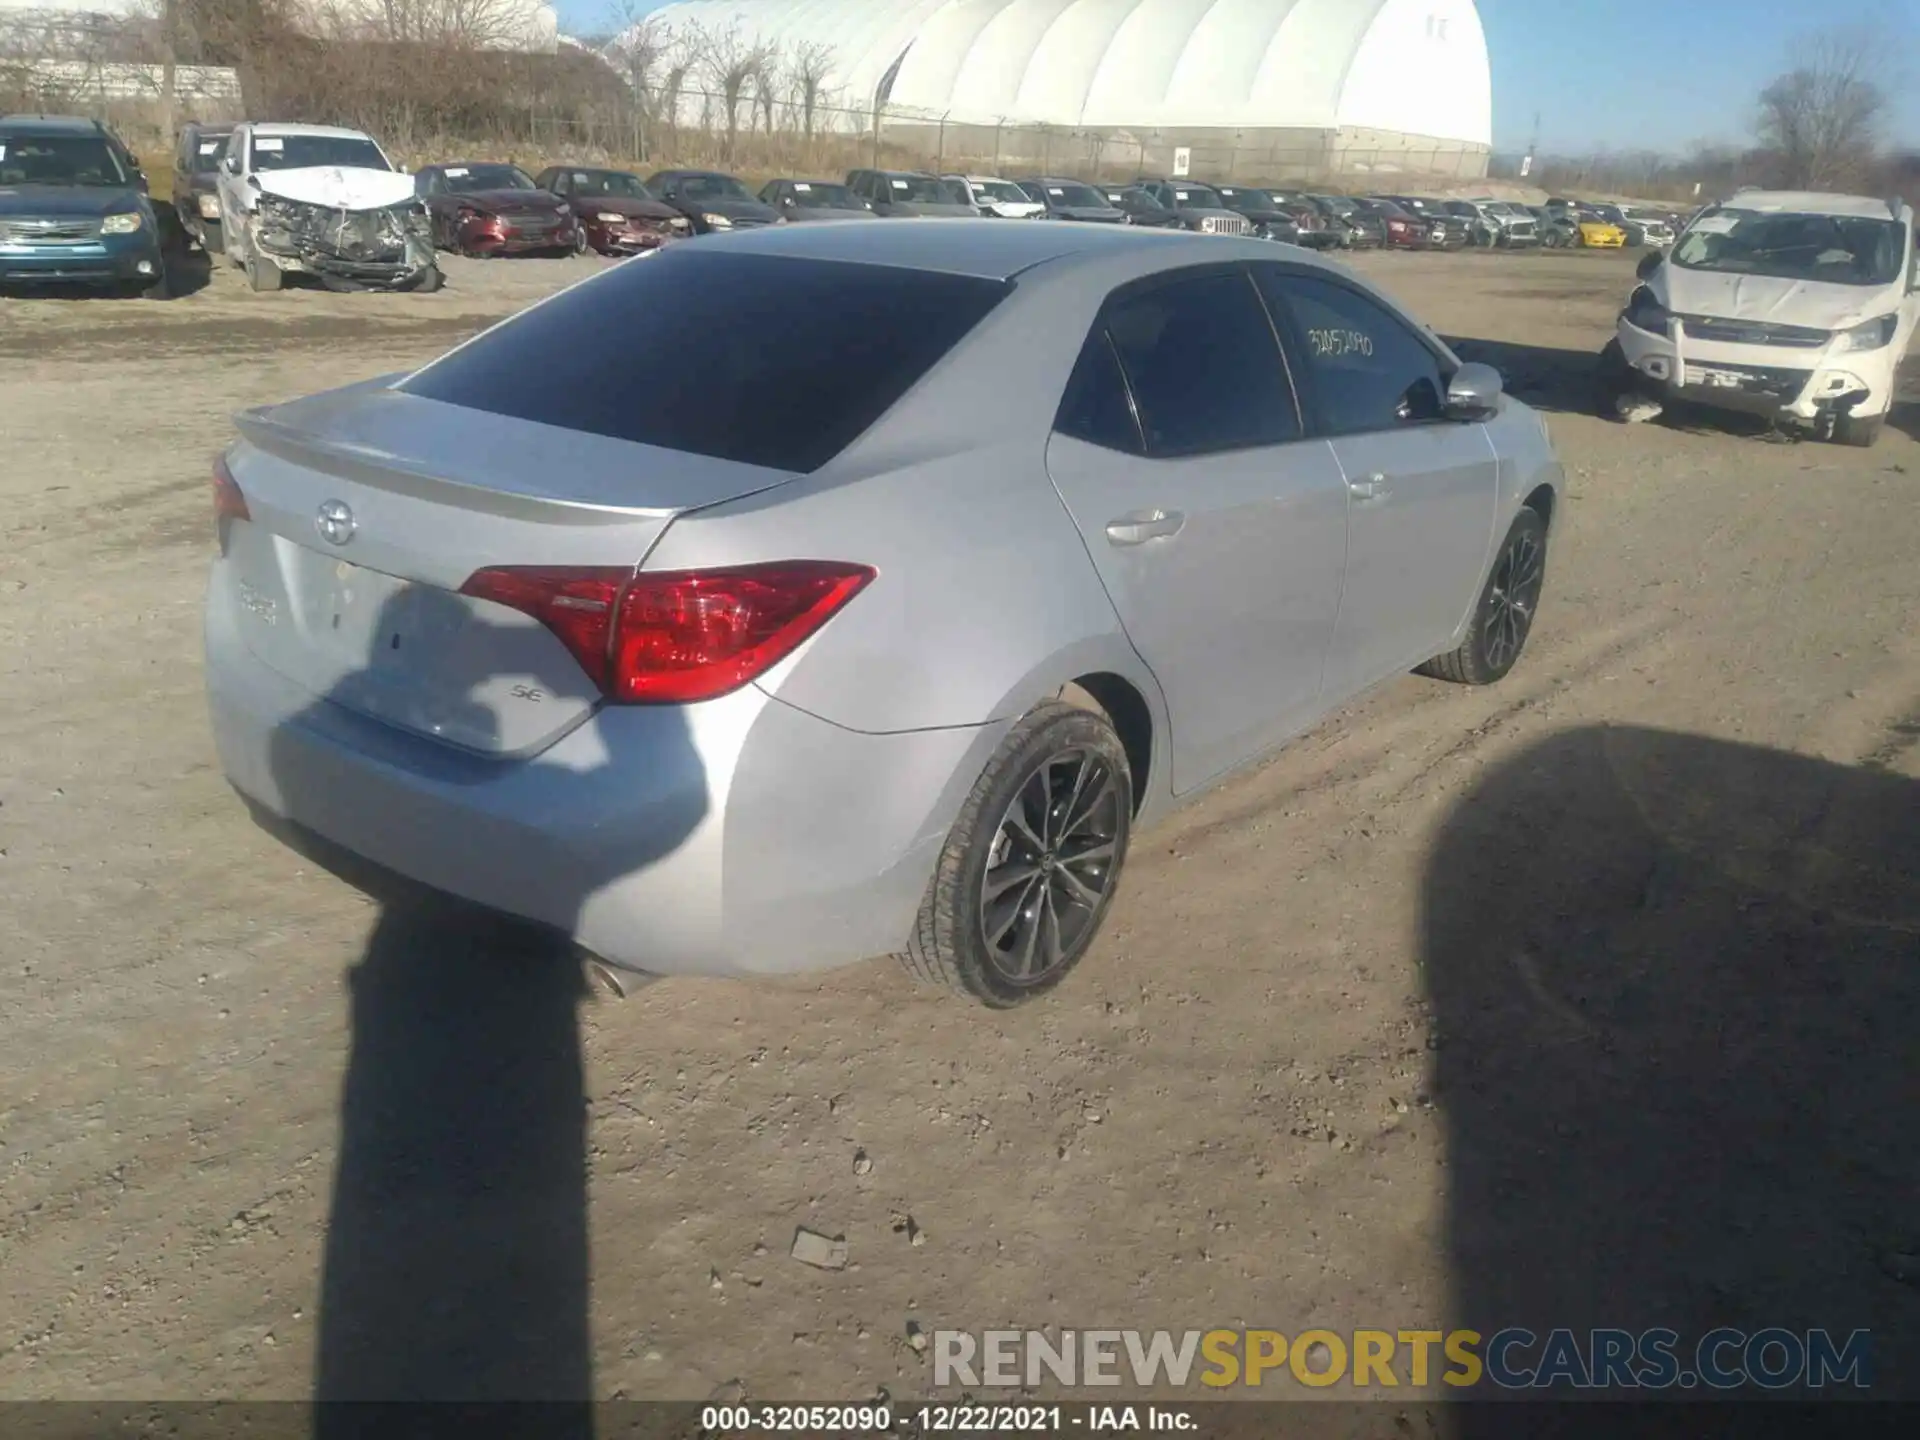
766,360
1096,407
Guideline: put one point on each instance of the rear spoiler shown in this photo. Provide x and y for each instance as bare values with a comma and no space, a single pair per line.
384,470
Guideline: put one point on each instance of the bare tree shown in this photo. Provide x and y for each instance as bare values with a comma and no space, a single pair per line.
731,60
1822,119
639,50
767,85
809,67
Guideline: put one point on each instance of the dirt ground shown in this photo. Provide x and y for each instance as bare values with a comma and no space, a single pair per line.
1588,999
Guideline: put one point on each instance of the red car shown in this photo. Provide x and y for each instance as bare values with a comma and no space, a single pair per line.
616,213
480,208
1403,229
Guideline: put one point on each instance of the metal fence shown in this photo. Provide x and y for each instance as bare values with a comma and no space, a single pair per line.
757,137
536,121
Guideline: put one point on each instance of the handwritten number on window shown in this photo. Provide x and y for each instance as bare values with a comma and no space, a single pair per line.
1340,343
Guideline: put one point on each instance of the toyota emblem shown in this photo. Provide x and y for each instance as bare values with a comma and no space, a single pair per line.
335,522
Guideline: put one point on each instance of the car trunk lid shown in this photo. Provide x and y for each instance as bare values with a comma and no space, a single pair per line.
370,508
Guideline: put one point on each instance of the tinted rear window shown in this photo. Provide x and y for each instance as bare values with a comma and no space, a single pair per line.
762,359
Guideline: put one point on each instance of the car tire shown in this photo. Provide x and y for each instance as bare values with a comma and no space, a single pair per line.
262,274
581,245
1859,431
428,280
1031,797
211,239
1612,379
1504,618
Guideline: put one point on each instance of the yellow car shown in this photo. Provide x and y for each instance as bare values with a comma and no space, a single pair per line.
1602,234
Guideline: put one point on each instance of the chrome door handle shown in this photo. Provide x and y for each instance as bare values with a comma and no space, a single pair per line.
1140,526
1374,487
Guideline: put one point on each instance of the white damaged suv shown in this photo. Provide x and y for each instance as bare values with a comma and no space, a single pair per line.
312,199
1795,306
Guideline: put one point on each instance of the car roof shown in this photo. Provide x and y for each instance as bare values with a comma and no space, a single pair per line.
693,175
987,249
1809,202
271,128
52,125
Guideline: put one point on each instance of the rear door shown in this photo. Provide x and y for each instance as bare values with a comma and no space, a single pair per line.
1424,488
1217,527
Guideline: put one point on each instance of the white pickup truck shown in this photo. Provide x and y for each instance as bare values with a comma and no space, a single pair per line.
315,200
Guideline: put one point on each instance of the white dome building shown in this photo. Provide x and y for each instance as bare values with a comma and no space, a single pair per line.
1340,77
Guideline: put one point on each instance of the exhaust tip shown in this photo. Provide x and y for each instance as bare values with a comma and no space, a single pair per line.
612,982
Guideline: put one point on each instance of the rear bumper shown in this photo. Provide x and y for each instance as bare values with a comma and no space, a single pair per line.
738,837
1756,379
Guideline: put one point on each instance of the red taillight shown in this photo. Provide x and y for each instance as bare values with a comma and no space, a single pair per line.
576,603
228,502
678,636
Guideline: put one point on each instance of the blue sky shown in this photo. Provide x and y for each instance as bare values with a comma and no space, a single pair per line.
1620,74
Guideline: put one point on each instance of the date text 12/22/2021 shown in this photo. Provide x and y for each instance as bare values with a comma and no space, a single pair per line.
965,1419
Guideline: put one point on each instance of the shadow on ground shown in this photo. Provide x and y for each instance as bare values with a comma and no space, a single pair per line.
1676,985
1565,381
456,1264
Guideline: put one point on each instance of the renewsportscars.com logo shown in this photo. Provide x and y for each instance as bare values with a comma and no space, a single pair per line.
1511,1359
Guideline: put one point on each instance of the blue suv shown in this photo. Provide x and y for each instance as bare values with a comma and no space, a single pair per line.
74,208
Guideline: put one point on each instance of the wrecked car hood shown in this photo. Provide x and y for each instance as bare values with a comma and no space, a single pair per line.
337,187
1810,303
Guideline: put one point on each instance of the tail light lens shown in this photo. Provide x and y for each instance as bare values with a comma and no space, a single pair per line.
229,503
676,637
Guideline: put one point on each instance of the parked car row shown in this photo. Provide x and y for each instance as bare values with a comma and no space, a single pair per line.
280,200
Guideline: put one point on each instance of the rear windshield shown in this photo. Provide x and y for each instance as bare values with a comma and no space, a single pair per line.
766,360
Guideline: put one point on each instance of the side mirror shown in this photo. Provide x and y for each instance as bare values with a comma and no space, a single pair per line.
1649,263
231,164
1474,392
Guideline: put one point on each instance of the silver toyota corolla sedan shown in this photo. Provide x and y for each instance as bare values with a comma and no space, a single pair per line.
830,591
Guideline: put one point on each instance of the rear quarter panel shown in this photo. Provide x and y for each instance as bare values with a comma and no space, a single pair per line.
984,603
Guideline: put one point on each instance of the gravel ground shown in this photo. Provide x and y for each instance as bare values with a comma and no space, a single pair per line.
1584,1000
